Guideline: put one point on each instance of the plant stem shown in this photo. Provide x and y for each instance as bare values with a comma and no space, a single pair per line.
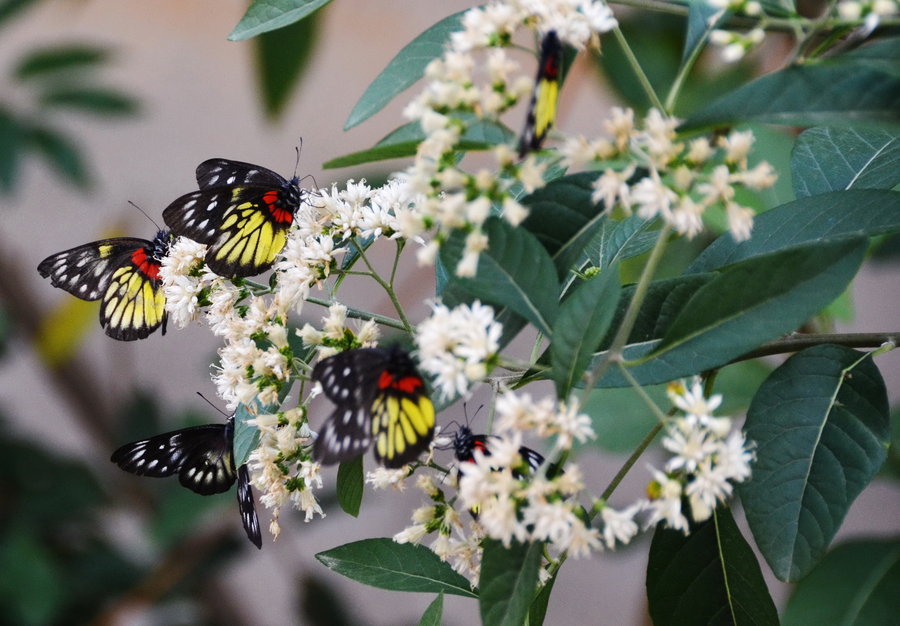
795,343
362,315
388,288
638,70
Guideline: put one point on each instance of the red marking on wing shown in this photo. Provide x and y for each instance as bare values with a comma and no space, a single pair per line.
272,203
146,266
551,68
407,384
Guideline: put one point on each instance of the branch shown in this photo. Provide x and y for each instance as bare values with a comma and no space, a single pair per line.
795,343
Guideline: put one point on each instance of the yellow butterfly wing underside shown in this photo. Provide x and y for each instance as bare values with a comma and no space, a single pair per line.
402,426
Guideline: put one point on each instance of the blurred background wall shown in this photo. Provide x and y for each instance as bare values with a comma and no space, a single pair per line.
198,97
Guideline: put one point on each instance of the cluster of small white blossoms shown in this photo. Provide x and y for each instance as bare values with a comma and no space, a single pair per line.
281,465
735,45
870,11
708,457
680,180
458,346
462,90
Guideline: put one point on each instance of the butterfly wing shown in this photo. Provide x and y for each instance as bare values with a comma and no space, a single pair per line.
542,107
245,226
124,273
402,412
247,507
200,455
228,173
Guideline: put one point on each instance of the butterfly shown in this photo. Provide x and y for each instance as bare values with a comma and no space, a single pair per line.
203,458
465,442
122,272
242,212
379,398
542,108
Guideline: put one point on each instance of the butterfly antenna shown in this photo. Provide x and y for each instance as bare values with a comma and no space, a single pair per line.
152,221
297,149
213,405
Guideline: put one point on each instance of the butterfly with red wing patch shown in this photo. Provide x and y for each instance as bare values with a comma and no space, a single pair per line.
242,212
379,398
123,272
465,442
542,107
203,458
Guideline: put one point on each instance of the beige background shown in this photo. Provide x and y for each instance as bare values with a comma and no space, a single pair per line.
199,99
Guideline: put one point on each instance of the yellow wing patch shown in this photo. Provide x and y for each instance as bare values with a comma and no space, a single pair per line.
402,427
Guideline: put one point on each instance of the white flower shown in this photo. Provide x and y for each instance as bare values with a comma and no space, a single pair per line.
382,478
619,526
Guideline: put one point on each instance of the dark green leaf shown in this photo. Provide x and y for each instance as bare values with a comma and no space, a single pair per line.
433,615
266,15
60,152
779,7
350,482
33,586
11,146
507,583
708,577
821,427
822,218
834,158
839,91
623,240
702,20
56,60
404,69
246,436
94,100
620,417
883,54
9,8
856,583
282,56
582,322
748,304
371,155
515,271
385,564
538,610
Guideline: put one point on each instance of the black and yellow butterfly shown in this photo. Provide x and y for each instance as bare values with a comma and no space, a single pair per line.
242,212
379,397
465,442
203,458
542,108
122,272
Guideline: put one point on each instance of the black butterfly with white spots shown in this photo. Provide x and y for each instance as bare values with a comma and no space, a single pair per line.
242,212
379,398
123,272
203,458
465,442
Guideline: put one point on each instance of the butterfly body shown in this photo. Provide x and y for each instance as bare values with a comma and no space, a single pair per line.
203,458
542,107
123,273
241,211
465,443
379,398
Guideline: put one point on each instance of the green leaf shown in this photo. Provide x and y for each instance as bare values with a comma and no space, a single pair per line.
394,566
266,15
11,146
9,8
834,158
823,218
883,54
582,322
56,60
708,577
60,152
94,100
33,587
821,427
434,614
404,141
508,580
404,69
246,436
564,218
515,271
282,56
624,240
856,583
840,91
350,483
700,24
538,610
746,305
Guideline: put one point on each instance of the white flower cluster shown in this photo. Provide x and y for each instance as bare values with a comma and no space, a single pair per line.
280,465
735,45
335,336
518,413
871,11
462,90
706,460
682,180
458,346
